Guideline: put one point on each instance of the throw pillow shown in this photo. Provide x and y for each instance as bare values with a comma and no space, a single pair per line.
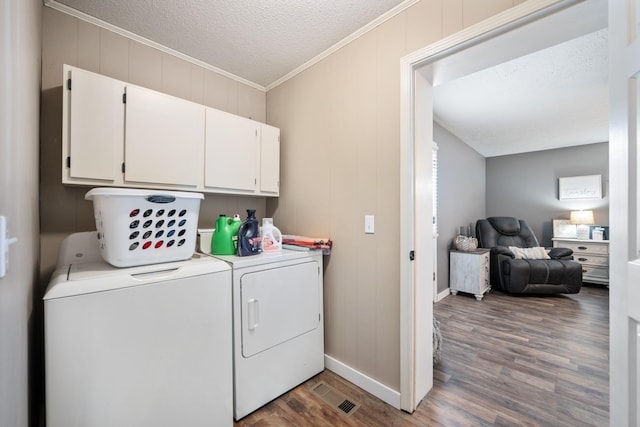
529,253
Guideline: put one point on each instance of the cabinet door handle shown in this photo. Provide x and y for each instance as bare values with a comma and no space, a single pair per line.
582,259
582,248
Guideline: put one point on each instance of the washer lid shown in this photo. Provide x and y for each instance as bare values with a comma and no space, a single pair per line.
99,276
77,248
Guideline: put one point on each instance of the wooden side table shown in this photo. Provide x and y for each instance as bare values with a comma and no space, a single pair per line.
469,272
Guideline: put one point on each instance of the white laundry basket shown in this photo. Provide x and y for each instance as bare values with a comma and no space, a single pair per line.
138,227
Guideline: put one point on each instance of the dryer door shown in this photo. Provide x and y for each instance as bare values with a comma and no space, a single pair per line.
279,304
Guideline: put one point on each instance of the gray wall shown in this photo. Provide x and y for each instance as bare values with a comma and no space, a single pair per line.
461,194
20,305
520,185
526,185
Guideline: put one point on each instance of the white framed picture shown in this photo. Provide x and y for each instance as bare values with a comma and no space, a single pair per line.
564,228
580,187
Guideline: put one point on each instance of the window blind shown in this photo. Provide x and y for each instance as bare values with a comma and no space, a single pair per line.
434,171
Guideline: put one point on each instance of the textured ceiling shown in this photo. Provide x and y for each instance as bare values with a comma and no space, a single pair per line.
259,41
557,97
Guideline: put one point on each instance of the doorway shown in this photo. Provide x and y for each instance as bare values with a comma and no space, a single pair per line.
526,28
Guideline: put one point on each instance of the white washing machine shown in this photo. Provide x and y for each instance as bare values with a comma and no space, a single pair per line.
139,346
278,324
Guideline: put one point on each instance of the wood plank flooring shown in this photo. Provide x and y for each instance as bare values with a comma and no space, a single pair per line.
506,361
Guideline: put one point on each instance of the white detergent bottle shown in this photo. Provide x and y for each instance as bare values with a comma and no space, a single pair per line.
271,236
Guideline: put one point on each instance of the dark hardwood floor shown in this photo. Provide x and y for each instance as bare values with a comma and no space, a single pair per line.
506,361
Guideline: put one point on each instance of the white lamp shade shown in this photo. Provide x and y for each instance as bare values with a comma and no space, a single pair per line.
582,217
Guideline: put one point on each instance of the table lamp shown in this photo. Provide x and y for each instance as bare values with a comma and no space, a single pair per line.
582,219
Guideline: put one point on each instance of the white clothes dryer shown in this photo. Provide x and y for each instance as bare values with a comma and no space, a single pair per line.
278,324
140,346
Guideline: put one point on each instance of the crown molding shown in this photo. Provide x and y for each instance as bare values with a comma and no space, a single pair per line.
53,4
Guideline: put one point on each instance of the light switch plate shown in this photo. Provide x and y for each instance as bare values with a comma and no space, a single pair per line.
369,224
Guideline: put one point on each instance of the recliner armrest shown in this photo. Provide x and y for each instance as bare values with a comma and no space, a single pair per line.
502,250
560,253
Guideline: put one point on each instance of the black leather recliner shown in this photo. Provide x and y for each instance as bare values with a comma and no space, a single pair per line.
560,274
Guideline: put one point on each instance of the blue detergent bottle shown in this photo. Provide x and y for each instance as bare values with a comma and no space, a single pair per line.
249,235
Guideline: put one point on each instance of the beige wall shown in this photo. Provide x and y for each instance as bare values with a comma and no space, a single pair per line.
68,40
21,391
340,151
340,156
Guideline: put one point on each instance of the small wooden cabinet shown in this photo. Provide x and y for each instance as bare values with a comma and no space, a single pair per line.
592,254
469,272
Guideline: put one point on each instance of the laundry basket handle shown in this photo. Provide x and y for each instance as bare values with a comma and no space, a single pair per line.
159,198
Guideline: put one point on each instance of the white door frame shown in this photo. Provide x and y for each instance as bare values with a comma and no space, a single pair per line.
624,196
472,49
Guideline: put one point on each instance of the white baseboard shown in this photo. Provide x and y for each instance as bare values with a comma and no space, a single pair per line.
442,295
379,390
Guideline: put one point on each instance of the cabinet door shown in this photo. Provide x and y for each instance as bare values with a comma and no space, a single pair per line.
92,127
467,272
164,139
270,160
231,152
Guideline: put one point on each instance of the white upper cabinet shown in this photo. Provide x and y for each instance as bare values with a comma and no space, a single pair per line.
270,160
232,150
119,134
93,126
164,139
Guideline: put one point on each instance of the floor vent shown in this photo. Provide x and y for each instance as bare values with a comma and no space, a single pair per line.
334,398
